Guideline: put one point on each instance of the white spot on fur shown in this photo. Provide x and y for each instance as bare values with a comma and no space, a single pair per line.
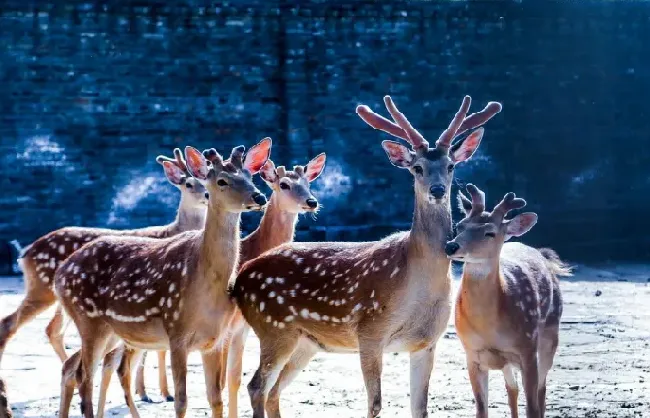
288,318
280,300
61,249
169,302
262,306
252,275
304,313
281,325
172,286
269,280
395,271
307,270
315,316
271,294
279,280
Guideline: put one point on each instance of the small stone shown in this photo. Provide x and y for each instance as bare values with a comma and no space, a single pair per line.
598,293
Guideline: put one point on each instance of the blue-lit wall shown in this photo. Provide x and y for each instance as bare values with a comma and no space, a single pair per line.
90,94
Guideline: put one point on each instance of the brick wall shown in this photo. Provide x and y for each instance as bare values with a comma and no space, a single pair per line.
91,93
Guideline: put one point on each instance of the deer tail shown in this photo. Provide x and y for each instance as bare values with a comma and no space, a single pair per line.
555,264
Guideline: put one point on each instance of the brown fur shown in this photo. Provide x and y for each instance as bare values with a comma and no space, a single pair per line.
508,307
42,258
160,294
277,226
5,408
390,295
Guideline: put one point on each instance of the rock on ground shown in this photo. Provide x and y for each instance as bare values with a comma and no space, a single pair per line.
602,369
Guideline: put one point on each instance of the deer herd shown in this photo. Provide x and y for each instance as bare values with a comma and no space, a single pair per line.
194,285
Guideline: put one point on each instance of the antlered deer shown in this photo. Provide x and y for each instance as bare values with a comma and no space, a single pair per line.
163,294
370,297
41,259
509,303
291,196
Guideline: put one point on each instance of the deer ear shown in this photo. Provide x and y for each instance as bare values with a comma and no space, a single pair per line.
398,154
268,172
197,165
257,156
315,167
464,204
520,224
464,149
175,175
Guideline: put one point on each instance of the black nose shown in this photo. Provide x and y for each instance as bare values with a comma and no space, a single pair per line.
312,203
451,248
437,191
259,198
207,195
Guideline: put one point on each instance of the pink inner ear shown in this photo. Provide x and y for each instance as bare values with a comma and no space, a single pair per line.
397,153
257,156
173,173
469,146
315,167
196,163
268,173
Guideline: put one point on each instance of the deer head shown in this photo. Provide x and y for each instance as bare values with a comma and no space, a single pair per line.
192,191
292,186
481,234
229,182
432,168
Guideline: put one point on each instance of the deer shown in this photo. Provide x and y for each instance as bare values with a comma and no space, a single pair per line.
366,297
5,408
41,259
163,294
291,196
509,304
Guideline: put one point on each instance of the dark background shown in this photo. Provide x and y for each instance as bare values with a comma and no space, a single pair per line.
92,92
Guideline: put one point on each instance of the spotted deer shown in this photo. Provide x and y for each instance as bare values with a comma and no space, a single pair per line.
5,408
509,305
41,259
368,297
163,294
291,196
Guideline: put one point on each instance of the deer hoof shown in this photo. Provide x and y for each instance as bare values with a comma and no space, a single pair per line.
146,398
169,398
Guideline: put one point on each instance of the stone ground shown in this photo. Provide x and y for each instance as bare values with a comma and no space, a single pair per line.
602,368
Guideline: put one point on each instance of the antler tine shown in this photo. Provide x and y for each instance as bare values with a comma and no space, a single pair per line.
450,133
478,199
237,156
413,136
377,121
477,119
508,203
281,170
180,161
299,169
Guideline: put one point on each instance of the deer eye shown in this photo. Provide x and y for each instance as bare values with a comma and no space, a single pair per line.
284,186
418,170
490,234
450,168
188,185
222,182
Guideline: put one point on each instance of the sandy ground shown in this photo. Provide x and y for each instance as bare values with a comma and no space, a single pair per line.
602,368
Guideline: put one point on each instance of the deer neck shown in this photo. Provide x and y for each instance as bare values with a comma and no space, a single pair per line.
277,227
481,288
219,247
188,218
430,231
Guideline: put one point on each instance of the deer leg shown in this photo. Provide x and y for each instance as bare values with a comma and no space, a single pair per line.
371,357
512,388
162,377
547,347
34,303
92,350
297,362
130,360
68,383
274,354
212,365
421,367
111,362
478,378
235,361
55,331
140,389
178,355
530,377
